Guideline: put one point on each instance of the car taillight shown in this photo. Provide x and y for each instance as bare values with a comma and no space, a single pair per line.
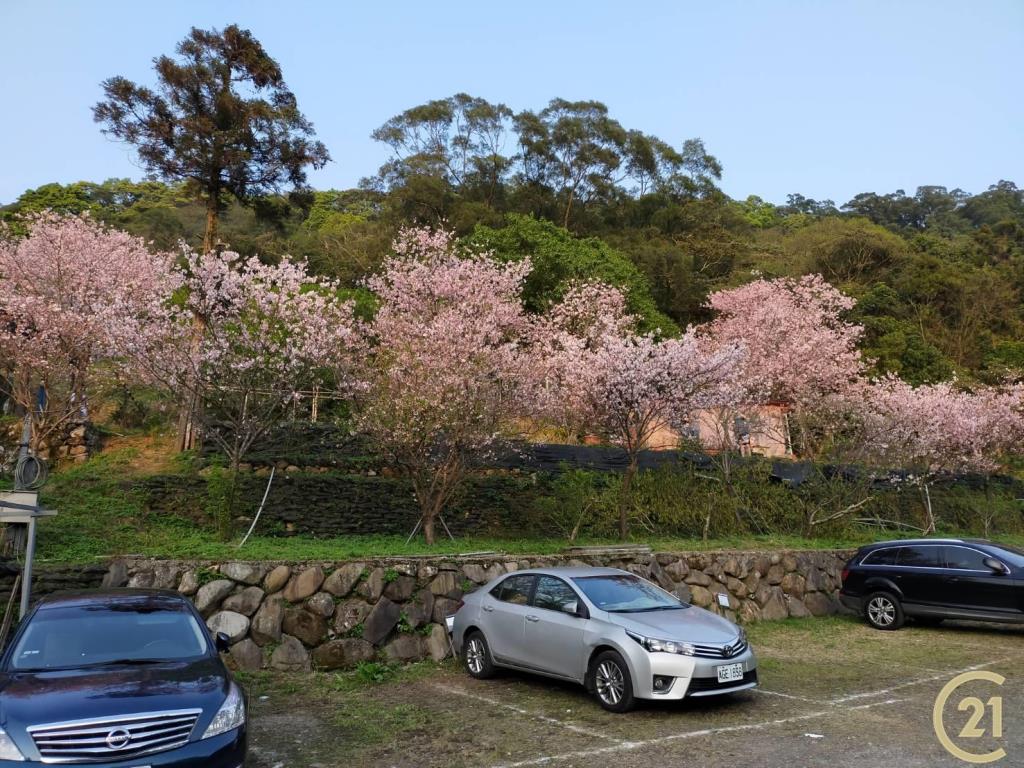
846,572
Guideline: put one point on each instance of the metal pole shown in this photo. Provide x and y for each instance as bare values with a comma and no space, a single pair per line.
26,575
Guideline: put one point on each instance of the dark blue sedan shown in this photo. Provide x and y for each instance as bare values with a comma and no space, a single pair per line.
120,678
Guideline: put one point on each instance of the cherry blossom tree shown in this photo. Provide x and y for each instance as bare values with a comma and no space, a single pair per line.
269,334
446,371
622,386
940,428
799,352
69,294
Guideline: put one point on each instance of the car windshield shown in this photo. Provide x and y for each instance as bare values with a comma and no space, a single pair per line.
626,594
69,637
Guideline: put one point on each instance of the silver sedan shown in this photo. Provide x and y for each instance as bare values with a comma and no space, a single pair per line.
621,636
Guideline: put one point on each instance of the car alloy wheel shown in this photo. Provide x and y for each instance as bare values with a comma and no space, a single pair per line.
883,611
476,655
610,682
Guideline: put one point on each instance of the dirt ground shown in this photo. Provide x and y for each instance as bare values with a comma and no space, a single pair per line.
833,692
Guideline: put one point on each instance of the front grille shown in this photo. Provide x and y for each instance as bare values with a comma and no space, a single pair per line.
114,738
727,651
705,684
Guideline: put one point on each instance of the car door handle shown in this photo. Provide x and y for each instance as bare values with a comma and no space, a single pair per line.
952,579
488,608
533,618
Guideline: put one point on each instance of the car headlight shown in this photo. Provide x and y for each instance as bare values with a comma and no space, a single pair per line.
230,715
664,646
8,749
743,637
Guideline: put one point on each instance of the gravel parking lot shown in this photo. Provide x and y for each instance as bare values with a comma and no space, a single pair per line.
833,692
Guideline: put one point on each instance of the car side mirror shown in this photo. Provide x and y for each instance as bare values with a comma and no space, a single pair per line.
996,565
573,608
221,642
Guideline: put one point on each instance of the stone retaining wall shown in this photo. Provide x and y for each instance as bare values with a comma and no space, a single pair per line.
293,617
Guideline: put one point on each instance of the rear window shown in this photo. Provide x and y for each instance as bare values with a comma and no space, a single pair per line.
885,556
83,636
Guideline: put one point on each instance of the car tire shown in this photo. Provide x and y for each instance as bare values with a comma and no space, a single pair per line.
883,611
476,656
610,682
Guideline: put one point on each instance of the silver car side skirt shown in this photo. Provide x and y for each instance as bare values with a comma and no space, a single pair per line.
499,662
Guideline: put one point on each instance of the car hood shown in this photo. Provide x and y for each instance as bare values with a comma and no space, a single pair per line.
691,625
36,698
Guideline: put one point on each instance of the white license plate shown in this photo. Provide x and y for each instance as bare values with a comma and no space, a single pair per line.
730,673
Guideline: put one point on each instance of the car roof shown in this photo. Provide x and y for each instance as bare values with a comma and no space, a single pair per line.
573,571
912,542
152,598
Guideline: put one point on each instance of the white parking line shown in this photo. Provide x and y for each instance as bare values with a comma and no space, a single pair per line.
919,681
788,696
622,745
526,713
632,745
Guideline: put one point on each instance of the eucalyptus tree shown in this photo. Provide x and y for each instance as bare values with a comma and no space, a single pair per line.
460,139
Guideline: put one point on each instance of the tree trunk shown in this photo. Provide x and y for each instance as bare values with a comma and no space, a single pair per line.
228,512
568,208
627,483
428,529
929,526
212,220
188,416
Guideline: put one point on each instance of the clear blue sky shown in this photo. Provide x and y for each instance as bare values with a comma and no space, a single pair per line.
823,98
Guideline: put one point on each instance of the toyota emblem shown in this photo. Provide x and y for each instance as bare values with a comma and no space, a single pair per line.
118,739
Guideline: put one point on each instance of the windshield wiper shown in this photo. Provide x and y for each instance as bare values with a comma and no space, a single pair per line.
118,662
646,610
94,665
659,608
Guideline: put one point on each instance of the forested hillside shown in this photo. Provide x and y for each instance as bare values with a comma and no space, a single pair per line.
938,274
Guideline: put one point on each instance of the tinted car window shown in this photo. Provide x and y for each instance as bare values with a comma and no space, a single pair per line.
965,558
553,594
78,636
921,557
885,556
516,589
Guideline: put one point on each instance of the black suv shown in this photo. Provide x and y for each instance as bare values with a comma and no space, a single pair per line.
929,580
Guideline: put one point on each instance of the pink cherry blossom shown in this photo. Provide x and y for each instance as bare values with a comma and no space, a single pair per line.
444,377
244,340
70,292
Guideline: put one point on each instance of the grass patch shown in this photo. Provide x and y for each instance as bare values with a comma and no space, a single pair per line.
100,515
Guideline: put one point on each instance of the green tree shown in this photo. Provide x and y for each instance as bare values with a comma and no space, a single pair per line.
559,258
221,121
572,148
459,140
846,249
